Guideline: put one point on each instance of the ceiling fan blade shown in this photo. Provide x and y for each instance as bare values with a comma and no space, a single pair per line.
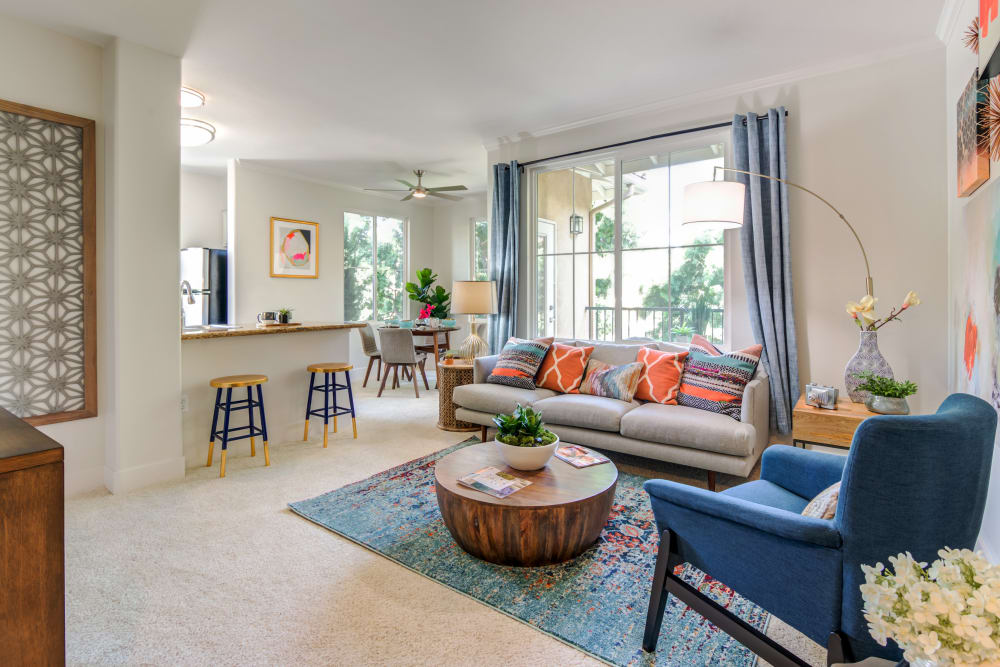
384,190
409,185
438,194
447,188
407,197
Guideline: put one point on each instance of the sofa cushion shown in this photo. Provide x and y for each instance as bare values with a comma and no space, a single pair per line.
563,367
519,361
767,493
689,427
583,411
714,381
661,375
497,398
616,354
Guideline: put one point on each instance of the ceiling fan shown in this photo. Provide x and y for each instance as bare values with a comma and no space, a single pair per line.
419,191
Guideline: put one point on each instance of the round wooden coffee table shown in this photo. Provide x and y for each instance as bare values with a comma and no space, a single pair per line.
554,519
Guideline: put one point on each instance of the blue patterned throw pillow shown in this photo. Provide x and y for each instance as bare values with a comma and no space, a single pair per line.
519,362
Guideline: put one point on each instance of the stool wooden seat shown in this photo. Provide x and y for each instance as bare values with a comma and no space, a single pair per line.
233,381
329,387
329,367
228,406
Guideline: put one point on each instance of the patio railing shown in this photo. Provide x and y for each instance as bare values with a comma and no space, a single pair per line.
652,323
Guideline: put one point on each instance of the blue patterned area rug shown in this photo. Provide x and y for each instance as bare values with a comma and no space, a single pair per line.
596,602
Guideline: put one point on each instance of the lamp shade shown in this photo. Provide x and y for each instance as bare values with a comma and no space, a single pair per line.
473,297
718,203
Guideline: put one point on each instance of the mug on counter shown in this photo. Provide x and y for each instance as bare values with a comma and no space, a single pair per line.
267,317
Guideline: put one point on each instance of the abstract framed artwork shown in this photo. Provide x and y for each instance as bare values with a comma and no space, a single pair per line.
48,265
294,248
973,160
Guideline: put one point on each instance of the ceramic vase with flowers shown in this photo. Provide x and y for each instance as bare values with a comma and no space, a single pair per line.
868,358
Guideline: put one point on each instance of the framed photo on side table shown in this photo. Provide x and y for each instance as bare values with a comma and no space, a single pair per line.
294,248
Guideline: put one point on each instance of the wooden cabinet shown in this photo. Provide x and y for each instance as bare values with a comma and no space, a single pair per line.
32,604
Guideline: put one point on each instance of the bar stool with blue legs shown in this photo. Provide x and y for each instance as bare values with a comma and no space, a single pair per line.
329,388
228,406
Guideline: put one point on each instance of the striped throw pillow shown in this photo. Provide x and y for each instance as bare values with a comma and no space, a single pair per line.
661,375
714,381
824,506
519,362
617,382
563,367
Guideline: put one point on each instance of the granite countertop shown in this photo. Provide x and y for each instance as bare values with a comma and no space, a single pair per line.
254,330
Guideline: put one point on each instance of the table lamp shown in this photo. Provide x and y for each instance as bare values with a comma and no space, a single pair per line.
473,297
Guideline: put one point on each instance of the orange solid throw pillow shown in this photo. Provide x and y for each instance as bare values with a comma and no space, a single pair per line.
562,369
661,375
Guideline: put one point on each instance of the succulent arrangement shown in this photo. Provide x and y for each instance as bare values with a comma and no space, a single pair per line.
524,428
883,386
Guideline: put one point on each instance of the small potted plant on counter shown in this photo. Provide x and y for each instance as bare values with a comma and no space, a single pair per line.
886,396
284,315
523,440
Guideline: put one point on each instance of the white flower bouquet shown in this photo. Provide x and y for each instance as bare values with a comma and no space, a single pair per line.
945,614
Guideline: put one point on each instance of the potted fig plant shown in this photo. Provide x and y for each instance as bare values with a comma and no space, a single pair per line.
522,439
886,396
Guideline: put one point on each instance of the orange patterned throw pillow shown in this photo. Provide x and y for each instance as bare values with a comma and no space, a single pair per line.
661,375
562,369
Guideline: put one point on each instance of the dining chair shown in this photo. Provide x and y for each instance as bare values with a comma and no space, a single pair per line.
398,351
369,344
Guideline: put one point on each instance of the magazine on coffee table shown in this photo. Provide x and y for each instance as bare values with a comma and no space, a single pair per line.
580,457
494,482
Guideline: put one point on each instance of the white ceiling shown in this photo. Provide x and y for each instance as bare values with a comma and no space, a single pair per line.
362,92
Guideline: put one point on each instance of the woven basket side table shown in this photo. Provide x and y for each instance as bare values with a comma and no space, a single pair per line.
451,376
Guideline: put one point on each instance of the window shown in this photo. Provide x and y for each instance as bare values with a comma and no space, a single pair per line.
480,249
374,267
612,260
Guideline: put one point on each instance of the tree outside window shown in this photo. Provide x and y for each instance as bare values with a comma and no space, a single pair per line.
374,267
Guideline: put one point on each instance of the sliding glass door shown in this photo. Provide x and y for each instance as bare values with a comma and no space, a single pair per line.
612,260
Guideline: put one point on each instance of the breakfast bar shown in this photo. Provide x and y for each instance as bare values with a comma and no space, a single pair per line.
280,352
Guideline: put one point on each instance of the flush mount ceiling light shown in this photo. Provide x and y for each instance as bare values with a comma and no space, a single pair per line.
196,132
191,98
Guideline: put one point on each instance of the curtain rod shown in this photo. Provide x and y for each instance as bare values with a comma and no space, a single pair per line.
662,135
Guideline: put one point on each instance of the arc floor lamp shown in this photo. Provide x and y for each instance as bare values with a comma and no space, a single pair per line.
722,203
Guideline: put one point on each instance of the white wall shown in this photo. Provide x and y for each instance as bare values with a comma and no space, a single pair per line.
961,63
203,201
867,139
260,194
47,69
143,211
453,250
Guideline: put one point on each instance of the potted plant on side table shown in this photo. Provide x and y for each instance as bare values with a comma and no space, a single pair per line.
886,395
522,439
284,315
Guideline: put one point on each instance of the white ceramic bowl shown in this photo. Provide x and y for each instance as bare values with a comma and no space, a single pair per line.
526,458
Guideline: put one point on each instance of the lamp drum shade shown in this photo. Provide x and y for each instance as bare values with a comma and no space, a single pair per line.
718,203
474,297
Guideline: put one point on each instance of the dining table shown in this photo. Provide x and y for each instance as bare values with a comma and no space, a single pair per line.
433,333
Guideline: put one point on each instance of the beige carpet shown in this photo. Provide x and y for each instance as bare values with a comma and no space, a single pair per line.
219,571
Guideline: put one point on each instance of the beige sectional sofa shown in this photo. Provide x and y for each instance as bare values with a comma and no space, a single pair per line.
673,433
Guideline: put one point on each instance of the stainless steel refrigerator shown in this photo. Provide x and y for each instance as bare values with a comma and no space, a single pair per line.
205,269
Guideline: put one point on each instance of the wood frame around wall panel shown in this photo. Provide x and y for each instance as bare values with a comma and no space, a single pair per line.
89,214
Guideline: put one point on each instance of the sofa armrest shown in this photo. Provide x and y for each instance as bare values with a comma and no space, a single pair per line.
801,471
756,408
771,520
482,367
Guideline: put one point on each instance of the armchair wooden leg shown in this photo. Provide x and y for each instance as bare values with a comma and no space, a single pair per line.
711,480
658,595
837,649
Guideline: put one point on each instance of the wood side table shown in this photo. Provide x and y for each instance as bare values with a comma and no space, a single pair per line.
834,428
450,376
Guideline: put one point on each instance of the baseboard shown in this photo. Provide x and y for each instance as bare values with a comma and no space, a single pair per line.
79,481
137,477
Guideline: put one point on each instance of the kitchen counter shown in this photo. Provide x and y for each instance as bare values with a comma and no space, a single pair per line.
254,330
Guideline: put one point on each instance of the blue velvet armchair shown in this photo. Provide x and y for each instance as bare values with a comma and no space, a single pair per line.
909,483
